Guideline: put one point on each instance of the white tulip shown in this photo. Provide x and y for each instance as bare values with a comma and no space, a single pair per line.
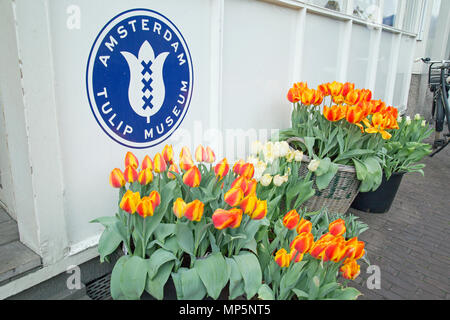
424,123
278,180
298,155
417,117
408,120
266,180
313,165
284,148
252,160
256,147
290,156
277,149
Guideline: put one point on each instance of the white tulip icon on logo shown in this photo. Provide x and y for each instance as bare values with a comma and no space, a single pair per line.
146,92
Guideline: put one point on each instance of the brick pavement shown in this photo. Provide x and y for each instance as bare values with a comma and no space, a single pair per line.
411,243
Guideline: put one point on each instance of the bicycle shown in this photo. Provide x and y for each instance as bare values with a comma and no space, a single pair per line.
439,85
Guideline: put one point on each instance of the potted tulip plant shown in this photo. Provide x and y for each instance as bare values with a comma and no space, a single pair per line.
342,131
403,152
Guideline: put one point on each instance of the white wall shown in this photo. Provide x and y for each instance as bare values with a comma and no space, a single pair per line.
246,54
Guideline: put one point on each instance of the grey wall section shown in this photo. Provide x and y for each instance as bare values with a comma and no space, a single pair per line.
420,98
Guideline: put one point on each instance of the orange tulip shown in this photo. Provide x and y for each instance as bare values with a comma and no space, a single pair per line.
179,207
295,93
173,167
318,250
378,125
185,152
159,163
335,113
192,177
239,182
221,169
167,154
145,177
348,87
282,258
354,249
377,106
145,207
323,88
353,97
227,218
295,254
131,160
337,228
247,170
237,166
155,198
130,174
186,163
335,88
200,154
291,219
260,211
129,201
318,98
248,204
335,250
194,210
251,187
147,163
350,270
210,156
308,96
116,178
367,94
234,196
303,242
304,226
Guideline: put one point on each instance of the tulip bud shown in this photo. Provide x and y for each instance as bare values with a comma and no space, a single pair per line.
227,218
234,196
210,156
408,120
179,207
221,169
192,177
147,163
290,156
145,177
237,166
284,148
304,226
260,211
266,180
173,167
313,165
185,152
130,174
155,198
335,250
282,258
145,207
194,210
417,117
116,178
337,228
131,160
290,219
159,163
239,182
251,187
167,154
130,201
424,123
200,154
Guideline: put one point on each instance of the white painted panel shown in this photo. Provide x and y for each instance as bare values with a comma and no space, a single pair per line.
360,47
258,46
88,154
322,49
384,62
403,70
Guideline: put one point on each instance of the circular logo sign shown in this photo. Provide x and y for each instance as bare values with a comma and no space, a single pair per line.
139,78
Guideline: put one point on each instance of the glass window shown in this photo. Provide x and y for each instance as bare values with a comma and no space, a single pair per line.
390,12
366,9
412,11
336,5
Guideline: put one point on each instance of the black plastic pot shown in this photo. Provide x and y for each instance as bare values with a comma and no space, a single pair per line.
380,200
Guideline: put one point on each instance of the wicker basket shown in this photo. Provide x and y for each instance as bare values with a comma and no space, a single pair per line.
339,194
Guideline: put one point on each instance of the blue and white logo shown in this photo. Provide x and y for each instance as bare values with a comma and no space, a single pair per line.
139,78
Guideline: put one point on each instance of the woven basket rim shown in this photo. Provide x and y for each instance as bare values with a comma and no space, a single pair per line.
341,167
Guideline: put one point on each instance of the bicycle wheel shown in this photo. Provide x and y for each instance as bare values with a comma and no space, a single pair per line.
440,113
